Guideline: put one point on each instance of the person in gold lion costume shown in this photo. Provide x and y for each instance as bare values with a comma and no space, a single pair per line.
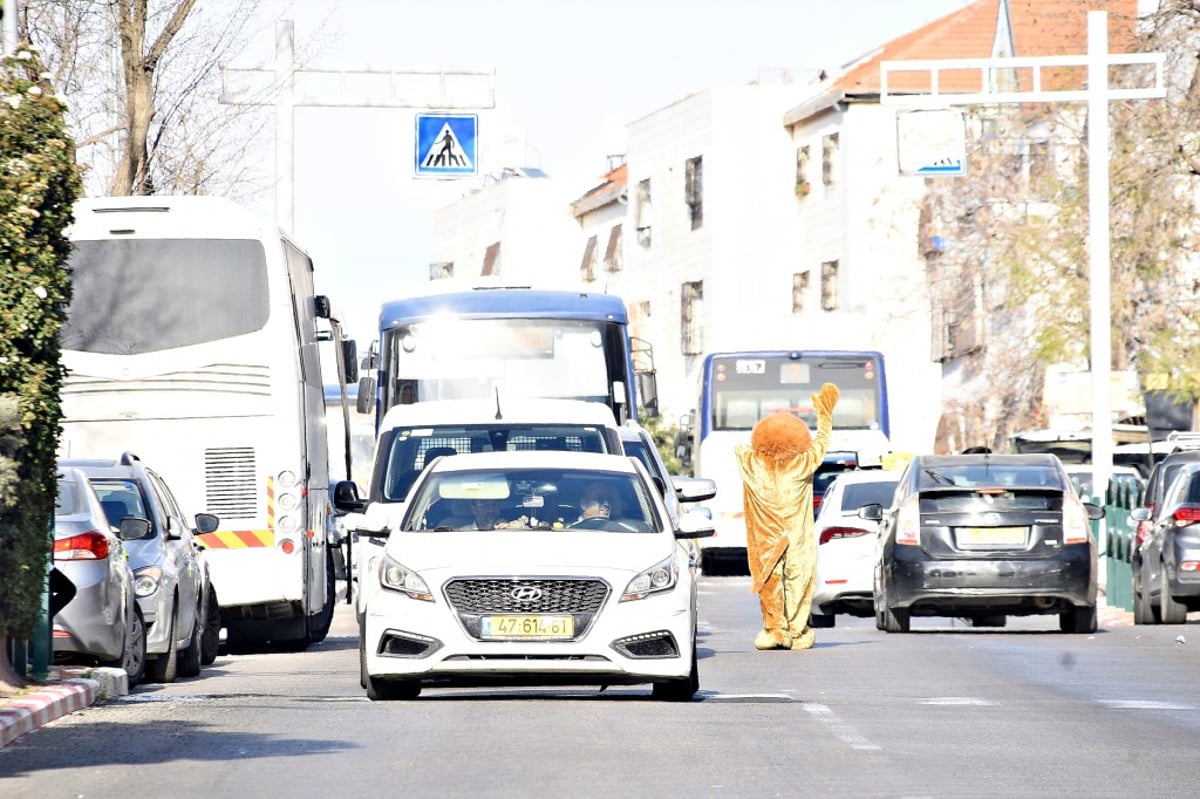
777,469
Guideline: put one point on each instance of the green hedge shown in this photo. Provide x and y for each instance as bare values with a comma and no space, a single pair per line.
39,183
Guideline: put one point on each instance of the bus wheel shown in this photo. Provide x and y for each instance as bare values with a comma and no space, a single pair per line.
318,623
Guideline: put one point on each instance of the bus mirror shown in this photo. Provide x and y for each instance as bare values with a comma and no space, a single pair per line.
350,359
366,395
321,306
647,386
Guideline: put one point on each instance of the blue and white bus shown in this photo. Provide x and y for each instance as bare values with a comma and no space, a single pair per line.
736,389
508,343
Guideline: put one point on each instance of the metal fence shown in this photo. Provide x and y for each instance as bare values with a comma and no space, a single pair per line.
1119,539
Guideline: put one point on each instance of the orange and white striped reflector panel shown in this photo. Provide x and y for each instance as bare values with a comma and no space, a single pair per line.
237,539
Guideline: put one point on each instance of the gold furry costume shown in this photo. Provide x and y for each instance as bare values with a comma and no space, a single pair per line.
777,474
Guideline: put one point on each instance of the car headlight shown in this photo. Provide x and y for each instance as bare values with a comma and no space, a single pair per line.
146,580
396,576
658,578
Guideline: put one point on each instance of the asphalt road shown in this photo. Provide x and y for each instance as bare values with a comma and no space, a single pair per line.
945,711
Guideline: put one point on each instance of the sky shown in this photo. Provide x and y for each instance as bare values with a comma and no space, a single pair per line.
569,74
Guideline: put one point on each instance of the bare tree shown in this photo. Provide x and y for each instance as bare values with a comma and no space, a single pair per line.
142,81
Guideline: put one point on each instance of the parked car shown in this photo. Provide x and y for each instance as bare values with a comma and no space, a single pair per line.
846,545
557,596
1185,450
101,624
834,464
984,537
171,578
1166,563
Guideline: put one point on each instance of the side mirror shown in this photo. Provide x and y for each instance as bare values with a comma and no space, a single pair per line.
694,489
207,522
350,359
346,499
1141,514
1094,511
871,513
694,524
134,528
366,395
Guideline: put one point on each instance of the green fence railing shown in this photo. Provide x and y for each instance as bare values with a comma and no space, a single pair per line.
1119,502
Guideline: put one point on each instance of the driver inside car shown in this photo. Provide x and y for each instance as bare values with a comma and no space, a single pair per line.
598,502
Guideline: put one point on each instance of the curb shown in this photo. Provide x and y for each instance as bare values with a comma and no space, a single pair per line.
63,695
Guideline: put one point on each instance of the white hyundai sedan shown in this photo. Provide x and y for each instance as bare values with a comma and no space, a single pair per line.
534,568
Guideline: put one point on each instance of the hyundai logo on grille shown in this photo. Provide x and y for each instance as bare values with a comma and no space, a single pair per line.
526,593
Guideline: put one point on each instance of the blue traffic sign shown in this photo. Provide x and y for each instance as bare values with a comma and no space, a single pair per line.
447,146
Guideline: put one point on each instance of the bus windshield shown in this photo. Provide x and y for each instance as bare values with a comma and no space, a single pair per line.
134,296
457,358
747,388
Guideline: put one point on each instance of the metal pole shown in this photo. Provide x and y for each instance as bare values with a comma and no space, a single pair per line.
10,27
1100,252
285,77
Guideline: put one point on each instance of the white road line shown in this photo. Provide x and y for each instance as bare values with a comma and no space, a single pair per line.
956,701
1144,704
840,729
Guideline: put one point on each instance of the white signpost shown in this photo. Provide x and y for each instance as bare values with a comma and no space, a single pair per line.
1098,94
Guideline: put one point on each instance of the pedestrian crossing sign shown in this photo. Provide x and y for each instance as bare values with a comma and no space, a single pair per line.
447,145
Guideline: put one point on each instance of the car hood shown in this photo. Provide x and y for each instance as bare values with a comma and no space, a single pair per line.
509,553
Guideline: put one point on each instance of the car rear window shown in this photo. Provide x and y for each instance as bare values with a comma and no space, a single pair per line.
983,474
69,499
858,494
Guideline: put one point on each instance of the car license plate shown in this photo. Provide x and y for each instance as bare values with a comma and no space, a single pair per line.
992,536
530,626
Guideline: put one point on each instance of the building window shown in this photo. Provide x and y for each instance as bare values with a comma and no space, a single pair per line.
642,213
691,308
693,189
803,187
491,260
829,297
829,157
612,253
799,291
441,270
587,267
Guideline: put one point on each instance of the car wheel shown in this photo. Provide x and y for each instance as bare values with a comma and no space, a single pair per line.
993,620
210,640
1079,621
165,667
133,656
681,690
1172,612
895,620
362,654
1144,611
190,658
390,690
821,620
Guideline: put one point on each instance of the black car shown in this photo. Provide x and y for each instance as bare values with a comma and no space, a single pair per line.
984,537
1166,563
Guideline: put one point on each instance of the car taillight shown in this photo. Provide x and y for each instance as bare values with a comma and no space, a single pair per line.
1076,526
908,523
831,533
92,545
1185,516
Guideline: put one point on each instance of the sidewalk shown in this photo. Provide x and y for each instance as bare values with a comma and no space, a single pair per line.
68,688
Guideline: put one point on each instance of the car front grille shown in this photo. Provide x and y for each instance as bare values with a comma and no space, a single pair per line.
473,598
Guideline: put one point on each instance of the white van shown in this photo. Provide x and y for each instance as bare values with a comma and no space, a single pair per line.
413,436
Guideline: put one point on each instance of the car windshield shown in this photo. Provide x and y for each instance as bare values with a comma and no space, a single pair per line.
407,450
532,499
119,498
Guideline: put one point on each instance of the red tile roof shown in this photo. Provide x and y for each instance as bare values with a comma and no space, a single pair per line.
606,192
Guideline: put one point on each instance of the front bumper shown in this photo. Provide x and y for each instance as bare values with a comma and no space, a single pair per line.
416,640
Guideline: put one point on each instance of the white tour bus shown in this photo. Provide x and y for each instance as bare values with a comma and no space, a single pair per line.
192,340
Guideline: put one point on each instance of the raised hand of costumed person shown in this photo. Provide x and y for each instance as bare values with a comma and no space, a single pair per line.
777,468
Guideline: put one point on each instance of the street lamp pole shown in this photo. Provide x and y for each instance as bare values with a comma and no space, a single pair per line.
1097,95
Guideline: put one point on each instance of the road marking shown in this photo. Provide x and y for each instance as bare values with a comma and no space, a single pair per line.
1144,704
840,729
956,701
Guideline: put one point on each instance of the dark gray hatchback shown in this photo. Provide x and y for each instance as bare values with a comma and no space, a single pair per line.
984,537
